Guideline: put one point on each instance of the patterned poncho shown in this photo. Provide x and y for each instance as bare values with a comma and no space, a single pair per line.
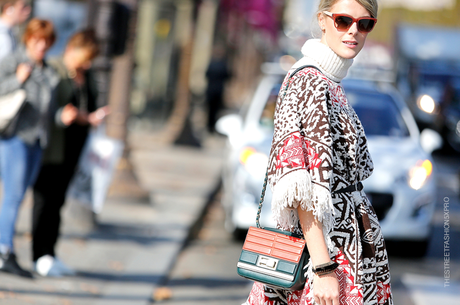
318,147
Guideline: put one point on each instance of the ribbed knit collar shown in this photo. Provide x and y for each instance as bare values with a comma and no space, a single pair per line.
330,64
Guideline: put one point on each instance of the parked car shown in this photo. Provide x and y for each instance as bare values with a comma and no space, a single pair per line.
428,76
401,189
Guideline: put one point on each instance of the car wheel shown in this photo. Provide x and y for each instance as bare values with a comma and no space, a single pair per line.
418,248
408,248
239,234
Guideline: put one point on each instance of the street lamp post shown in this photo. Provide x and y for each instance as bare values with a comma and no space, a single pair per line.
115,25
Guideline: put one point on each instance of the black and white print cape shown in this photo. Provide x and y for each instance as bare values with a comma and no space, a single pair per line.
319,146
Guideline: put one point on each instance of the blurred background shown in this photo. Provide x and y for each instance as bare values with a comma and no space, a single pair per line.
190,84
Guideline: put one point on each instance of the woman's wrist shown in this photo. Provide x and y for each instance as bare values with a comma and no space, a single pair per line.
325,274
325,268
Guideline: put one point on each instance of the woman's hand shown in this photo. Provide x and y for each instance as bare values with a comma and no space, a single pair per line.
69,114
23,72
326,289
95,118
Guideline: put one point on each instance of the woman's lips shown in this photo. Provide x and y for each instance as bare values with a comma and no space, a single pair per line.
350,44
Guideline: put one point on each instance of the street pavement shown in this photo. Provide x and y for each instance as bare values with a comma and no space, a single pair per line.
126,254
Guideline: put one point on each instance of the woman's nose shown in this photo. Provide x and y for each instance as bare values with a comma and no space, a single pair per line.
42,44
353,30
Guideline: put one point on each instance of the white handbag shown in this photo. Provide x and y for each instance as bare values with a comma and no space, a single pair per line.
10,105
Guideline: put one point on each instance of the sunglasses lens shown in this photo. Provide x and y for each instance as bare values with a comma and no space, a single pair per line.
366,25
343,23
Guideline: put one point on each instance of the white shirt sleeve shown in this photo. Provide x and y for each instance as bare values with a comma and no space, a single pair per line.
6,45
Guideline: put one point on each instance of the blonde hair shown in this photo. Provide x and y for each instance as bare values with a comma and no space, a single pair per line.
370,5
39,28
85,39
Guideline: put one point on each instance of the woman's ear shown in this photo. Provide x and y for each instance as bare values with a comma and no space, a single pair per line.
321,21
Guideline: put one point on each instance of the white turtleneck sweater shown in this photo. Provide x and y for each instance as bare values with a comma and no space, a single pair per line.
318,54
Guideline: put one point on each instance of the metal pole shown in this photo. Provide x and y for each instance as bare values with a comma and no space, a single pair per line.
114,74
179,125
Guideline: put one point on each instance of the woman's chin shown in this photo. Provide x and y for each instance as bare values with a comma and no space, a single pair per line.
348,53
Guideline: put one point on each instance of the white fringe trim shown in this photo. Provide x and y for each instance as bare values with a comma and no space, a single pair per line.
296,188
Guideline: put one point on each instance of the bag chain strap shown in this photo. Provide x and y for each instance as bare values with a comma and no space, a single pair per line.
261,202
262,196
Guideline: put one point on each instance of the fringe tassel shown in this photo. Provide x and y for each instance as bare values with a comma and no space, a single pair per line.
296,189
309,281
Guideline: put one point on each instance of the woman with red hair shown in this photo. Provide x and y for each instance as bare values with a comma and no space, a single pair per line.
21,144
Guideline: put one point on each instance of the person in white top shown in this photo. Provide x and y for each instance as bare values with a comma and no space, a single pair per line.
13,12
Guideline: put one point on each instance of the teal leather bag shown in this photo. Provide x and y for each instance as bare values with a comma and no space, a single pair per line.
273,257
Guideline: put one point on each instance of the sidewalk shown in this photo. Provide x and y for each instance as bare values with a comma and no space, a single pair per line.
135,243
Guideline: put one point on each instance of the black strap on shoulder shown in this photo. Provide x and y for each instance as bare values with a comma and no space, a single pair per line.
292,75
264,188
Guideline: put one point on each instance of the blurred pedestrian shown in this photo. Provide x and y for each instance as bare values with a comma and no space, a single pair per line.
217,74
22,143
76,89
319,157
13,12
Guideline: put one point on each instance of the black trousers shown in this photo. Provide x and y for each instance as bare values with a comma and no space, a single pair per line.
215,104
49,194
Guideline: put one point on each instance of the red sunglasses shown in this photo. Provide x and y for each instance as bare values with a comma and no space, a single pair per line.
343,22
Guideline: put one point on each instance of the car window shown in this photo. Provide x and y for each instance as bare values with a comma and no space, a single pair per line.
267,116
378,114
451,92
379,118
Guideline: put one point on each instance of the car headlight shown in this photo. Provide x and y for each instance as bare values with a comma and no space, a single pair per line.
254,162
419,174
426,103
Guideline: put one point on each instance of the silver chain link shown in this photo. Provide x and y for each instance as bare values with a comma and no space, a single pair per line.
261,202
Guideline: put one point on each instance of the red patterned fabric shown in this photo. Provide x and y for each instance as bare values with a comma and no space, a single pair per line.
350,293
383,292
295,151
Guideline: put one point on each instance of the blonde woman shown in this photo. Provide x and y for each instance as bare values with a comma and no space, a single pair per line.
77,91
322,197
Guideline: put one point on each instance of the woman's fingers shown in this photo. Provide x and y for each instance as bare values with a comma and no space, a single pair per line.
327,300
69,114
95,118
23,72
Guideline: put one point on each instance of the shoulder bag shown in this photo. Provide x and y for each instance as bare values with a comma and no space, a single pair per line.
272,256
10,105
